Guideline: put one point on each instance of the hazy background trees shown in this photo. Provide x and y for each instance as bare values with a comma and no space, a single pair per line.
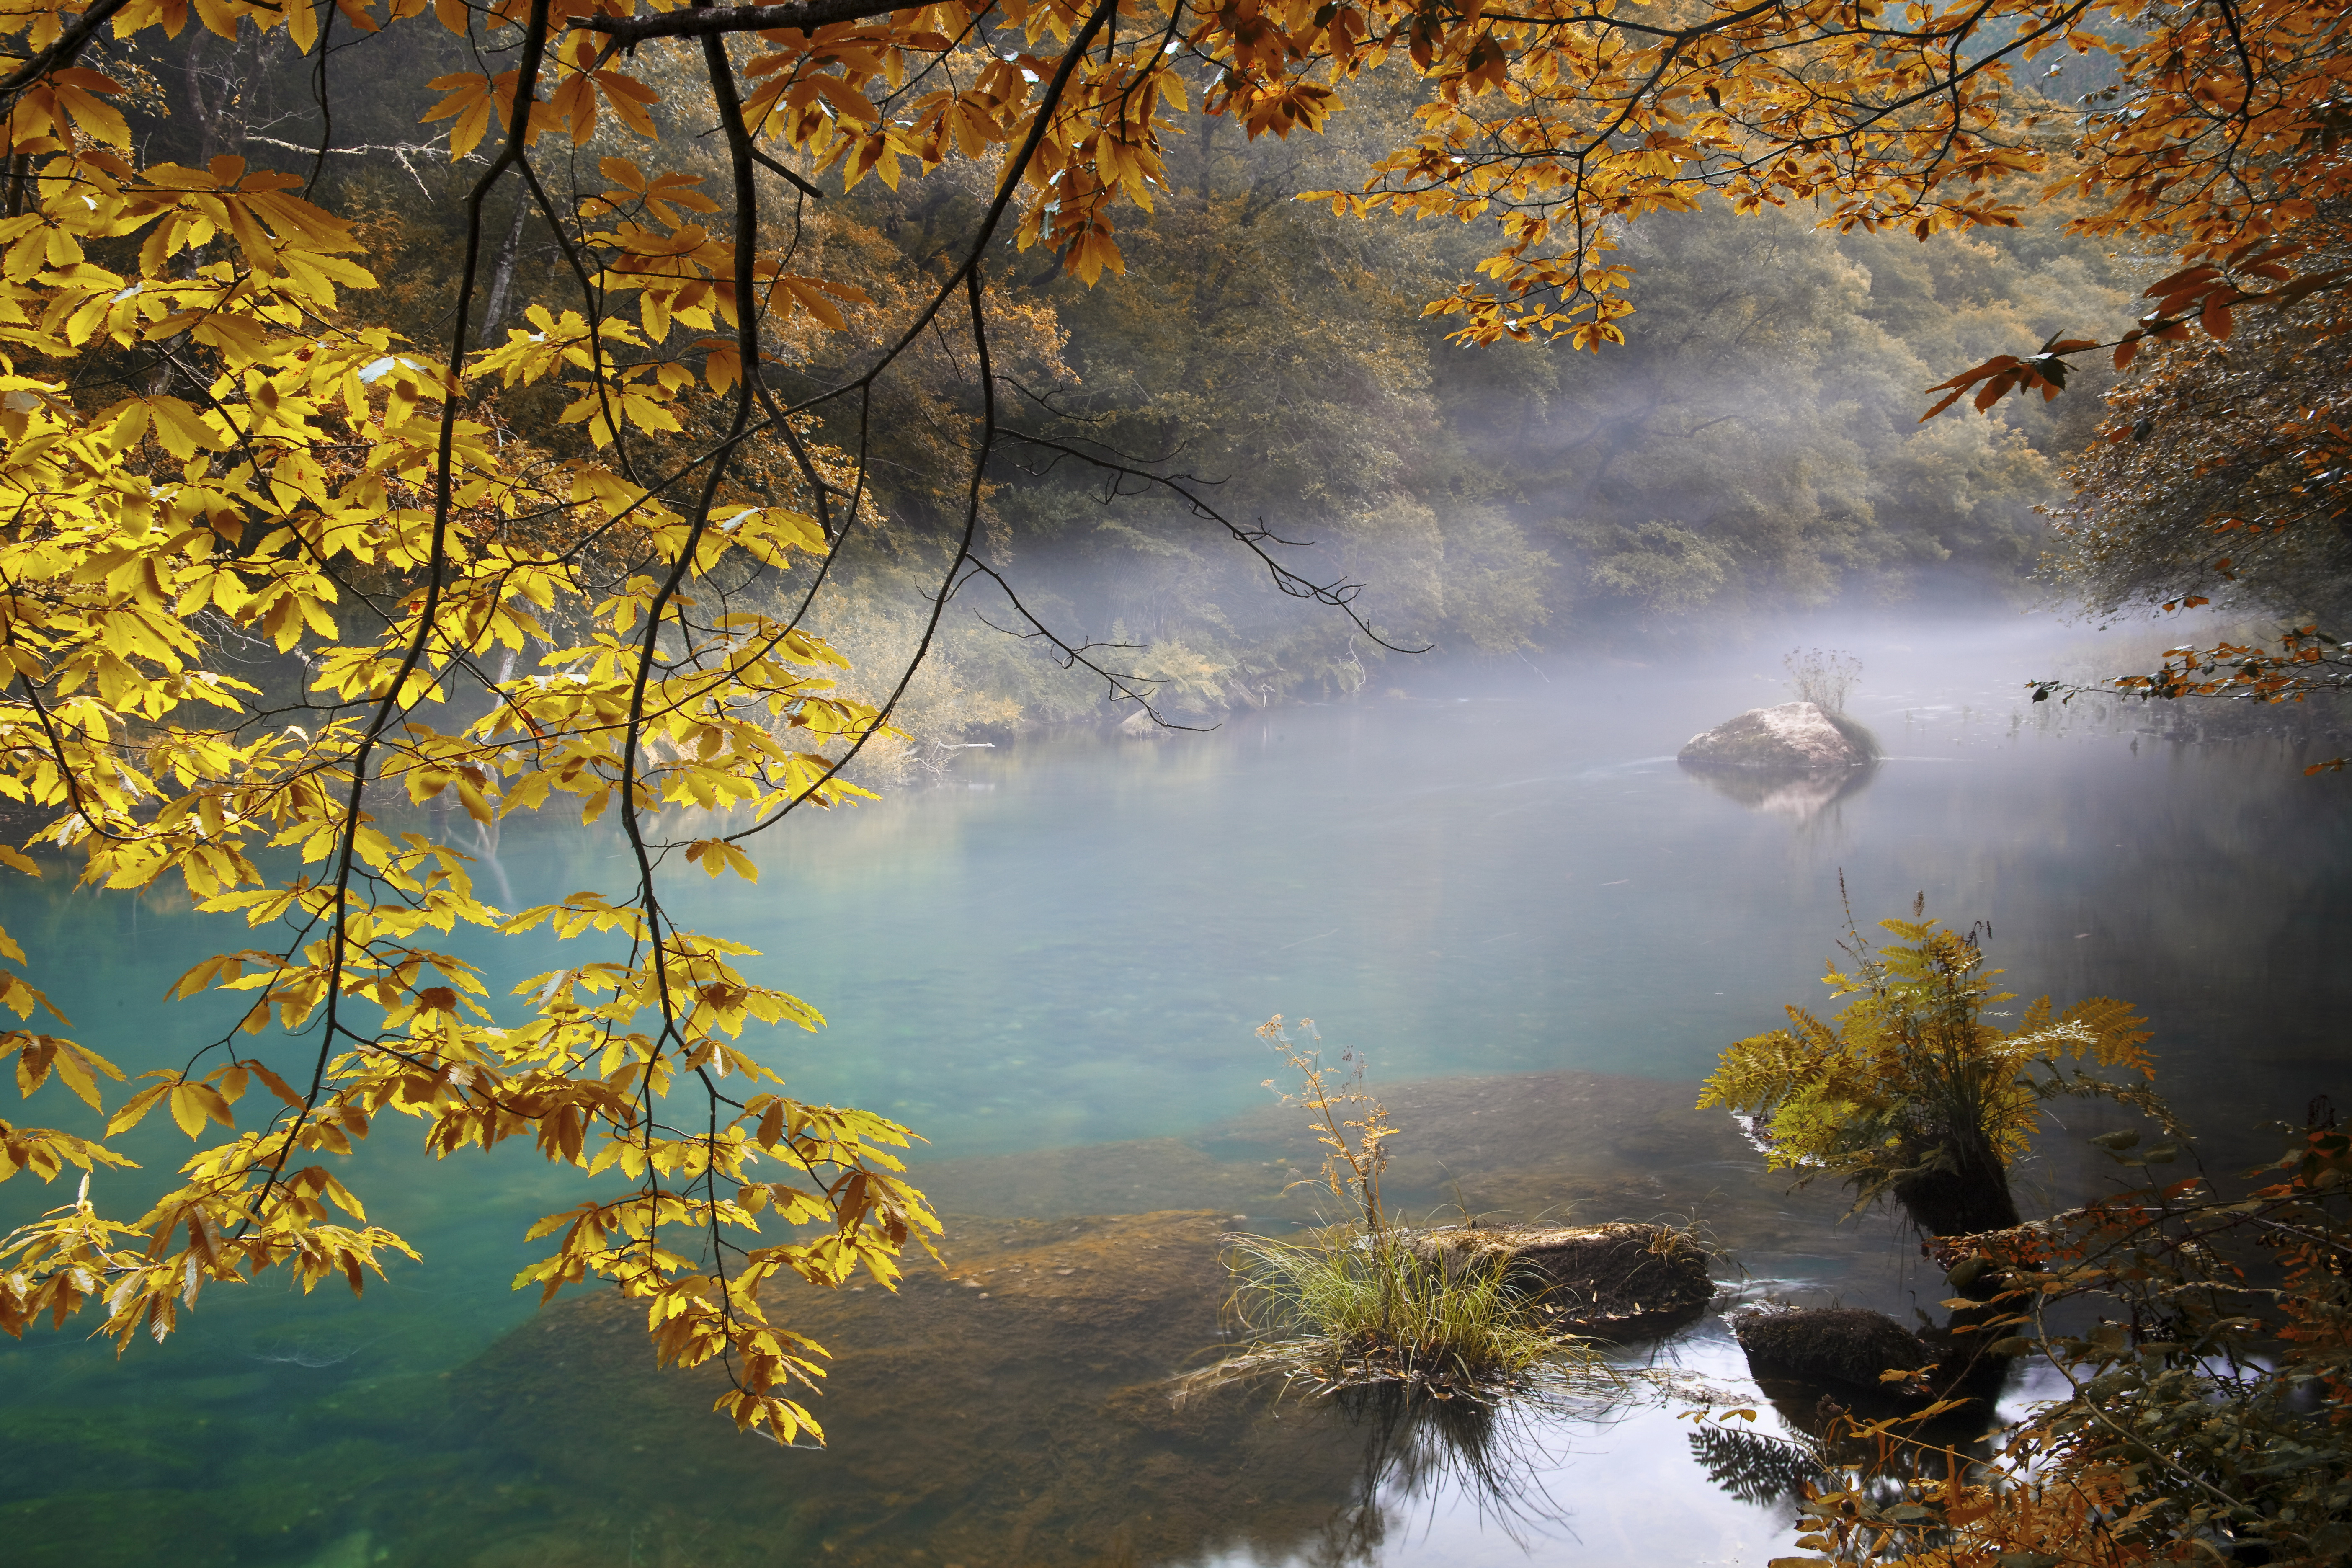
1752,449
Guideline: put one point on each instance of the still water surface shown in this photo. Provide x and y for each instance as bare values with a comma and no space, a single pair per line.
1539,928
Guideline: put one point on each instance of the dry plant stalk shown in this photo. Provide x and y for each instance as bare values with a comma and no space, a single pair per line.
1351,1166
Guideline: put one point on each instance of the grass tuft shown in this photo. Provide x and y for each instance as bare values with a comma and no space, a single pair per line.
1344,1308
1360,1305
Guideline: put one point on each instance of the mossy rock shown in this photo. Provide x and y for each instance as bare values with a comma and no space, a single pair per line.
1616,1279
1848,1345
1794,736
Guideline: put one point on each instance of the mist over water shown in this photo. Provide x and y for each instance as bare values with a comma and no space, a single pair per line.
1502,872
1472,872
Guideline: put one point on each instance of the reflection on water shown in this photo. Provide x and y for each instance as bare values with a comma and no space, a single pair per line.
1799,794
1020,1408
1541,928
1767,1468
1417,1449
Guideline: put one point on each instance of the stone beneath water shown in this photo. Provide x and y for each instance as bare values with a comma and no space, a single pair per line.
1002,1411
1015,1408
1612,1279
1849,1345
1792,736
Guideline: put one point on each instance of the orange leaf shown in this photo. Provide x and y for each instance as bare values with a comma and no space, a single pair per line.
2185,281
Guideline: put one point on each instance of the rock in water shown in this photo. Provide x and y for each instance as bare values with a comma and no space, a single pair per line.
1793,735
1836,1344
1595,1277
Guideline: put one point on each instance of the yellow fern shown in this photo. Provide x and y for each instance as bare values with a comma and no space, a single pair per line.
1912,1078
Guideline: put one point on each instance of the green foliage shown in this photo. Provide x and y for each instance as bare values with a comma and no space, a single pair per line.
1747,448
1911,1091
2203,1334
1751,447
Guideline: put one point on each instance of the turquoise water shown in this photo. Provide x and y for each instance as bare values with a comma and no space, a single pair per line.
1069,940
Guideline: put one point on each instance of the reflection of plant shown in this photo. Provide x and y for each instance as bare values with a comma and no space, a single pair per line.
1823,678
1911,1091
1758,1467
1418,1445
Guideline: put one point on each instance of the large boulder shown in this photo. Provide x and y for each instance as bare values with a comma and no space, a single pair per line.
1592,1278
1849,1345
1791,737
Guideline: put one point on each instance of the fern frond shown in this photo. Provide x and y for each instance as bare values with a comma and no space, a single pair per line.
2118,1034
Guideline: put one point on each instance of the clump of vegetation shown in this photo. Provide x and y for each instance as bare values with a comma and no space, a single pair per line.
1361,1303
1342,1310
2201,1328
1912,1093
1825,679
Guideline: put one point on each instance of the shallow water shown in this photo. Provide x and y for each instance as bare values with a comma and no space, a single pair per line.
1539,928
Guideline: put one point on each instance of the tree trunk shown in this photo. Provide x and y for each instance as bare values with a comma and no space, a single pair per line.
1969,1195
503,274
208,116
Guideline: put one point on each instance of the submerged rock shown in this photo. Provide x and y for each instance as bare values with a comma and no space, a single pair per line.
1793,736
1011,1409
1594,1276
1849,1345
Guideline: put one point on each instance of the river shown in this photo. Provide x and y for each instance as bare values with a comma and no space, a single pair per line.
1499,887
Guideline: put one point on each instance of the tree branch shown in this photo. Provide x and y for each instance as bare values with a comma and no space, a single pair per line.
70,46
712,21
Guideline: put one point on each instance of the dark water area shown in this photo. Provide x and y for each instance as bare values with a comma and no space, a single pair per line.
1502,888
